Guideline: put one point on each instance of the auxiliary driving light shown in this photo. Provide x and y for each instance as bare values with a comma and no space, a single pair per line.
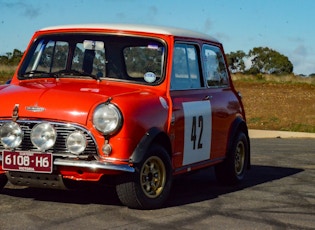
43,136
76,142
11,135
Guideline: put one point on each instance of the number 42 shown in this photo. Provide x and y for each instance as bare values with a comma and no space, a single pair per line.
196,136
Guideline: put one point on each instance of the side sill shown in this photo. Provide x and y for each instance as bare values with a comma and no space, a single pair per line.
198,165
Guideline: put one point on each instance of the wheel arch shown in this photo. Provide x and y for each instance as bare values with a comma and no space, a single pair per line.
153,135
240,125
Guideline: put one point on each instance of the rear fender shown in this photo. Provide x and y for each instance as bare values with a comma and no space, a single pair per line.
239,125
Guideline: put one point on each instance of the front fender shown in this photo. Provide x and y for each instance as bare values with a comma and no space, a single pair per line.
154,135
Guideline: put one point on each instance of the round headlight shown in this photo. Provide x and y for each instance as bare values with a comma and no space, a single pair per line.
76,142
107,118
11,135
43,136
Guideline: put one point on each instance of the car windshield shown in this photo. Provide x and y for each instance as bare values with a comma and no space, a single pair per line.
130,58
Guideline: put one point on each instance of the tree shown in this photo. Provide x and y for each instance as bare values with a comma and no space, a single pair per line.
11,58
16,57
235,61
268,61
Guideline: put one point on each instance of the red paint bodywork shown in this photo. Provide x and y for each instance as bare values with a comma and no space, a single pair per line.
73,101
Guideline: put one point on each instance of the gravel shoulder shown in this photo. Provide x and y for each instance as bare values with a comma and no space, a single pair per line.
255,133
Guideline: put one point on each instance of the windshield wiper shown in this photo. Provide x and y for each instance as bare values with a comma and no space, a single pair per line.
35,73
73,72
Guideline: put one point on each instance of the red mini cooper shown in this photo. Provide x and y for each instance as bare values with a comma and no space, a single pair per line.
129,104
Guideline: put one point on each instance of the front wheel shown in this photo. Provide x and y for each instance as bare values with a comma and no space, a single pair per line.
232,170
3,181
149,186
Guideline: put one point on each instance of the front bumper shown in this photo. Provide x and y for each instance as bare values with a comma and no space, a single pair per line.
56,180
91,165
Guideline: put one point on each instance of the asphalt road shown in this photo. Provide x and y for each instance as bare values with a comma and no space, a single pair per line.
278,193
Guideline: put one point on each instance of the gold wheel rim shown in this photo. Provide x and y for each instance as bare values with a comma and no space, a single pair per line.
239,158
153,177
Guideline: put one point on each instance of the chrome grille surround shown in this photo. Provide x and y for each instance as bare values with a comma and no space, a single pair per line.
59,149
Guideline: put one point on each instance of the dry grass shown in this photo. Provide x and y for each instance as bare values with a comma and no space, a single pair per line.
276,104
273,78
6,72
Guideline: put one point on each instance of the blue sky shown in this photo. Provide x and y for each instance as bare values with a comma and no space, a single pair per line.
286,26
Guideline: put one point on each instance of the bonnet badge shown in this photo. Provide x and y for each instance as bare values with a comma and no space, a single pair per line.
35,108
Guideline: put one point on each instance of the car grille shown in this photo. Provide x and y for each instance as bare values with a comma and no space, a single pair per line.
63,130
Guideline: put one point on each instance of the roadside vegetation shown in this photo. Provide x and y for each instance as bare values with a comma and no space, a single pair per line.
6,72
274,98
8,64
284,103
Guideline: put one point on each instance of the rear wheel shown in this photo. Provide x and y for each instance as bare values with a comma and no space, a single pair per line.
3,181
232,170
149,186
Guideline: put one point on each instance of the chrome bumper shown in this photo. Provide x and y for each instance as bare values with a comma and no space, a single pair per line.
94,165
91,165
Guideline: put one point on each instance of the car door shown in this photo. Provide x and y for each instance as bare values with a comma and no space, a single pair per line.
191,127
224,103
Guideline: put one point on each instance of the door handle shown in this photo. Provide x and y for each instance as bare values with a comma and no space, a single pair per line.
206,98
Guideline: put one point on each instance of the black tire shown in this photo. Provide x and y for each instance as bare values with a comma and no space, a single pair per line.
3,181
232,170
150,185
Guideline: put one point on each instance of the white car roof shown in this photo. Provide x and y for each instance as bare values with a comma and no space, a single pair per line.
139,28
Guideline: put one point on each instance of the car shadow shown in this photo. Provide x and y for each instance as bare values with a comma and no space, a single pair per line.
88,194
202,185
187,189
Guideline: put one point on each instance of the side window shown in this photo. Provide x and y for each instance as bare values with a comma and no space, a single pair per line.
214,67
185,71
